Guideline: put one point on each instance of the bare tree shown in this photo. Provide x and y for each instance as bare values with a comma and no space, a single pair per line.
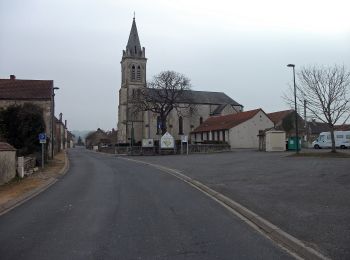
168,91
326,90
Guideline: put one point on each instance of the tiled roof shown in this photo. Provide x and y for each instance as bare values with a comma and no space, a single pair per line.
318,127
6,147
225,122
276,117
19,89
342,127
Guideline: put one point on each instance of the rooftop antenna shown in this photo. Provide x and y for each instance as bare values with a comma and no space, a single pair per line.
134,15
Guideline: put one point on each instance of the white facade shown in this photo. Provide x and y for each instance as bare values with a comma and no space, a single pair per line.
245,135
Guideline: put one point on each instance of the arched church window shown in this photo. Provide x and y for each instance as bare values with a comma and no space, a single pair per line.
133,72
135,50
159,125
138,73
181,130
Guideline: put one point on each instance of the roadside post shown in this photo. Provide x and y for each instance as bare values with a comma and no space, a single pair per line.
42,140
184,139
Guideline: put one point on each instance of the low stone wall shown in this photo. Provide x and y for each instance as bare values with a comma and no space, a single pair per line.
192,148
7,166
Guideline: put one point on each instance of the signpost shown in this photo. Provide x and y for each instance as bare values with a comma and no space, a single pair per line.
42,140
184,139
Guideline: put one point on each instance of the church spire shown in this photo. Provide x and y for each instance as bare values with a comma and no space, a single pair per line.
133,48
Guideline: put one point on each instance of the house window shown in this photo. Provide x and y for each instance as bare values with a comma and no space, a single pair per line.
202,136
207,136
181,130
133,72
200,120
138,73
223,136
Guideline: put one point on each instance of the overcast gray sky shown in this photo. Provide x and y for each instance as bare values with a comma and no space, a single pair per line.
237,47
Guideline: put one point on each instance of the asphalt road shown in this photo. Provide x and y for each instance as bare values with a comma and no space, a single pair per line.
109,208
308,197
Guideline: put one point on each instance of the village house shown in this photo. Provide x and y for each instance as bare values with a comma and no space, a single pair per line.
39,92
146,124
285,121
239,130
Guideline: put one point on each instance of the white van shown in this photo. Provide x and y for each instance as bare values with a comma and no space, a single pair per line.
342,140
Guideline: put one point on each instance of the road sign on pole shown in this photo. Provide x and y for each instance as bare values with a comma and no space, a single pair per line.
42,140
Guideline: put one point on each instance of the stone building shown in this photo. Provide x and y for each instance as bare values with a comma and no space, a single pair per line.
39,92
145,124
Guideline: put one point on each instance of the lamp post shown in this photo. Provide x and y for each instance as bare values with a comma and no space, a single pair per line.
295,106
52,120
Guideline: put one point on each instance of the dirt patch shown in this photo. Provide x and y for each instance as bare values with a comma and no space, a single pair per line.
17,187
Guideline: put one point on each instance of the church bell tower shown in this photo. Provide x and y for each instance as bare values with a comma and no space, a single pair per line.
133,77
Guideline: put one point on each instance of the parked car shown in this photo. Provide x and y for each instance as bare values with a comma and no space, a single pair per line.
342,140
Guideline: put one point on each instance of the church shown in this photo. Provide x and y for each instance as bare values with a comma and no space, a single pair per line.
144,125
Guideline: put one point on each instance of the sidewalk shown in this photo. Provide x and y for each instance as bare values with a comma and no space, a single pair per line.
17,192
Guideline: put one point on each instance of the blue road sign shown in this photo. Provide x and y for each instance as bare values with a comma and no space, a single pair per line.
42,138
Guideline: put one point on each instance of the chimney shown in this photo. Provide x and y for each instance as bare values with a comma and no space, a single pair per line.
61,117
13,77
65,124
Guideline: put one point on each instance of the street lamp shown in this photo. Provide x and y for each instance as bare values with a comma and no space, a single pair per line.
295,106
52,120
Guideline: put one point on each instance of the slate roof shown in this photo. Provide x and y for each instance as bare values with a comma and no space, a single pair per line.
19,89
202,97
225,122
278,116
134,41
207,97
6,147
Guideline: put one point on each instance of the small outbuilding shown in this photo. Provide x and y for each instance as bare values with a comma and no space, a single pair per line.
275,141
239,130
7,162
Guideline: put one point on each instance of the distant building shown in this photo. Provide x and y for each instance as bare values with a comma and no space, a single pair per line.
285,120
146,124
240,130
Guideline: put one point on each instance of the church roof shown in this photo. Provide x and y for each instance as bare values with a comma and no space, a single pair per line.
215,98
133,48
214,123
200,97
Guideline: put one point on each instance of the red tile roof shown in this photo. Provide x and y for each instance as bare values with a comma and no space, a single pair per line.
19,89
6,147
225,122
342,127
276,117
